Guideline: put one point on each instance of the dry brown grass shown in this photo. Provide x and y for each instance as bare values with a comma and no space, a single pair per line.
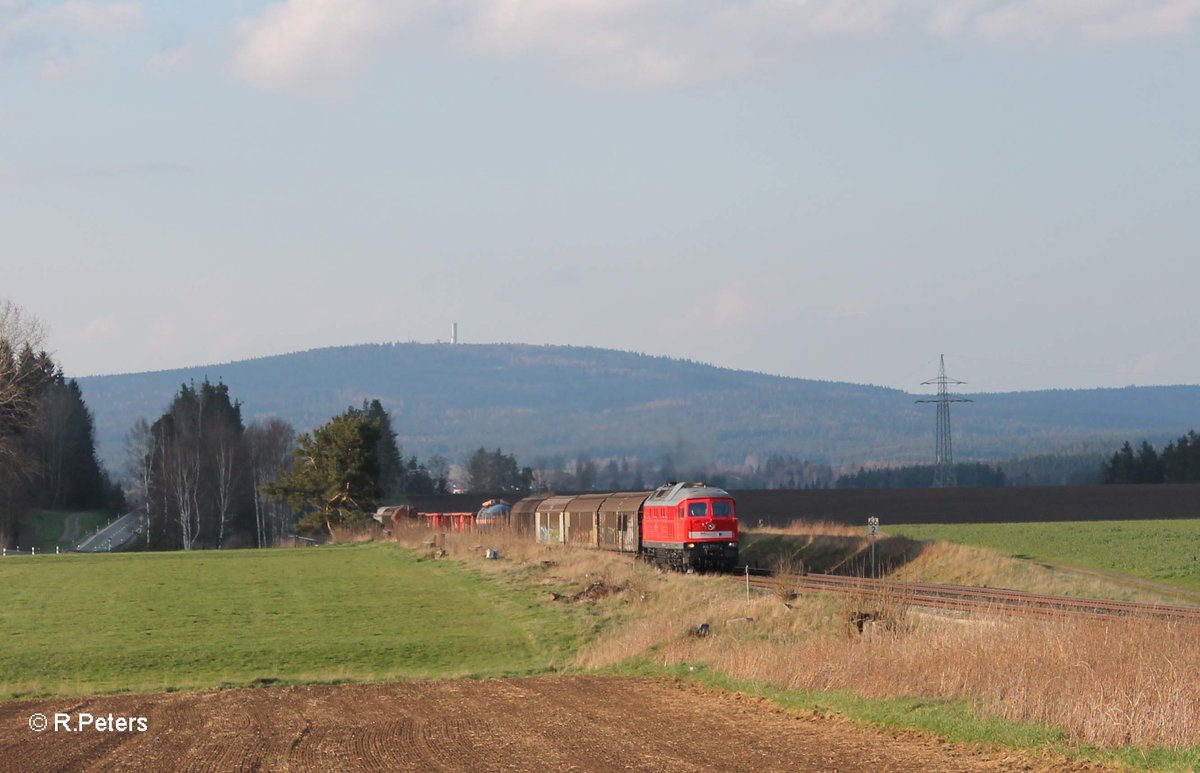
787,573
1106,682
355,534
944,562
814,529
871,609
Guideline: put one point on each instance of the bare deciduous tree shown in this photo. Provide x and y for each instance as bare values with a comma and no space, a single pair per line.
20,333
226,467
18,330
270,446
141,452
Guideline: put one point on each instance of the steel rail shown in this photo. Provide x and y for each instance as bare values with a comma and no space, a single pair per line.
972,598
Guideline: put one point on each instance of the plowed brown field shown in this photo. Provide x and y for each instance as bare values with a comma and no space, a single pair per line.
538,724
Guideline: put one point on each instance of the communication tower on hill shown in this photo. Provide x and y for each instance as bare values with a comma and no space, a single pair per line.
943,463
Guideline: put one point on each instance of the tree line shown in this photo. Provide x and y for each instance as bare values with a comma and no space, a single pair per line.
203,478
47,434
196,473
1178,462
968,475
200,476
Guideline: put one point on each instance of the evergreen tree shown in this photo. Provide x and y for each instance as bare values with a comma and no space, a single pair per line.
69,475
47,445
1148,467
334,477
1122,468
418,480
497,473
387,453
1179,462
969,474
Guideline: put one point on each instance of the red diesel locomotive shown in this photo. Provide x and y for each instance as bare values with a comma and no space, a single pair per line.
690,525
681,525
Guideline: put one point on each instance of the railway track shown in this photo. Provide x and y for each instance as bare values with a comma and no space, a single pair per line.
967,598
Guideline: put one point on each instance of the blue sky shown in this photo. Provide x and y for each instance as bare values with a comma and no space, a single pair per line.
834,189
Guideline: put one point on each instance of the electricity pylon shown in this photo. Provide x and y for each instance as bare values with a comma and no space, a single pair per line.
943,463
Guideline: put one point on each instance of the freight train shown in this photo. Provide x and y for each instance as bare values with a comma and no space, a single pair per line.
687,526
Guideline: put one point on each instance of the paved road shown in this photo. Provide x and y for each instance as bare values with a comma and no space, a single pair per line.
111,537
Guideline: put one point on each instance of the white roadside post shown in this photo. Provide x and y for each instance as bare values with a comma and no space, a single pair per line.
872,529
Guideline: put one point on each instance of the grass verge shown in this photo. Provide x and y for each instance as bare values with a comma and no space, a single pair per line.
46,529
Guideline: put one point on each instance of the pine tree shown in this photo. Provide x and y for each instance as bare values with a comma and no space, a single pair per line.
334,477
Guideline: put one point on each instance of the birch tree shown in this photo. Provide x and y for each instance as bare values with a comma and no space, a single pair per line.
141,446
269,446
196,470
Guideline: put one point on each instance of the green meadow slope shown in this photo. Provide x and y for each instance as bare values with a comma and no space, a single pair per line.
1166,551
82,624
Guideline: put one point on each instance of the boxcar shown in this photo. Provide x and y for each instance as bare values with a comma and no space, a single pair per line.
682,525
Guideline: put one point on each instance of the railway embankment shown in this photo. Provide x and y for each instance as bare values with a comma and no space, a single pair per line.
1100,687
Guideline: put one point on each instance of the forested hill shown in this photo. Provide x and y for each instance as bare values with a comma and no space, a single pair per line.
541,401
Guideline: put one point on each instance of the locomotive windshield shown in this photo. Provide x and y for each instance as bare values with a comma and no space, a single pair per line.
698,509
722,508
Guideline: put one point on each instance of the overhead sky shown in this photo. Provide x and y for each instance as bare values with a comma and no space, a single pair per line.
833,189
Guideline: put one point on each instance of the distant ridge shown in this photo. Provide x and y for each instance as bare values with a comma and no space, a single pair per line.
543,401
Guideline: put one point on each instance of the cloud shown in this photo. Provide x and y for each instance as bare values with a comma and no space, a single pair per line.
314,44
98,329
162,332
1166,20
307,45
1096,20
168,58
59,38
73,15
728,306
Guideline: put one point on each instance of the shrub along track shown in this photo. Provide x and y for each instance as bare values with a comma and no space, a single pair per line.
573,723
969,598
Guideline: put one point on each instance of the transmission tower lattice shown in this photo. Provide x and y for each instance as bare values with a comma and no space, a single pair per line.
943,463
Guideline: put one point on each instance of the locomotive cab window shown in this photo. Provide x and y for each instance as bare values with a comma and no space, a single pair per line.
722,509
698,509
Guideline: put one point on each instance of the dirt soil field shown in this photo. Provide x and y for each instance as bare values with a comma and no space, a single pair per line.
537,724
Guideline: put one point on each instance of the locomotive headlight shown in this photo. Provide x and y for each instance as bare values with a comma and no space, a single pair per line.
733,544
691,544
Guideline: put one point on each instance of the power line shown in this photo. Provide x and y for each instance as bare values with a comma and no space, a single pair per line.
944,475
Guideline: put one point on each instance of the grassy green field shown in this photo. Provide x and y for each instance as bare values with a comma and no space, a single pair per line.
81,624
1166,551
